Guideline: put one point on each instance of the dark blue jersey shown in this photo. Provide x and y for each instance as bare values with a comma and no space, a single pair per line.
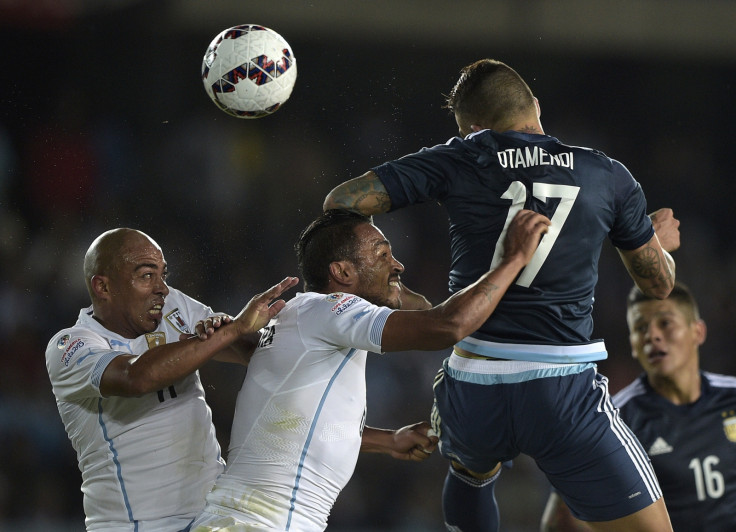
692,448
484,179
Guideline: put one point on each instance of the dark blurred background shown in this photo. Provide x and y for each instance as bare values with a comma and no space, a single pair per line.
104,123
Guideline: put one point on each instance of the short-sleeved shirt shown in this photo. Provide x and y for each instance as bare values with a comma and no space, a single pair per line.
147,462
299,416
483,180
692,448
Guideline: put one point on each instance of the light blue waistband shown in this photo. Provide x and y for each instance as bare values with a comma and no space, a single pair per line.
563,354
487,371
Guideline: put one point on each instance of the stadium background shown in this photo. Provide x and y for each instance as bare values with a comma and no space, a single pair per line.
104,123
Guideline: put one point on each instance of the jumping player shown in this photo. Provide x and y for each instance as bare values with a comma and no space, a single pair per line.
526,380
128,390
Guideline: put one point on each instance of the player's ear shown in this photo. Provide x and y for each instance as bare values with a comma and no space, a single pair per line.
701,331
100,286
343,273
539,108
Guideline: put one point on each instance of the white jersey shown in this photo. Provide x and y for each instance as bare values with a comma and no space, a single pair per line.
299,416
146,462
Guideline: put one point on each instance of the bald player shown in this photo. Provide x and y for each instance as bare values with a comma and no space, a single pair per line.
129,393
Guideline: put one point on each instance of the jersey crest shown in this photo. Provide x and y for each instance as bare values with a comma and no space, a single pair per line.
177,321
729,425
155,339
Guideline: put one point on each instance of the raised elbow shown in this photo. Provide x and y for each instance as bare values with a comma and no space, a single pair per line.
658,292
329,203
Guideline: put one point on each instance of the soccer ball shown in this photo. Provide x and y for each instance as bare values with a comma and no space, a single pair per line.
249,71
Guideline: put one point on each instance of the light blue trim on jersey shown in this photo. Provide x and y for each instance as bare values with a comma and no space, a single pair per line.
100,366
378,324
117,464
490,372
561,354
308,441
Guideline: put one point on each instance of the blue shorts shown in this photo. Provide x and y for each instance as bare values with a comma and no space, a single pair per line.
489,411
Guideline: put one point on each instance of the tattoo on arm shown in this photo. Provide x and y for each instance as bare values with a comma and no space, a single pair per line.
487,288
364,196
647,264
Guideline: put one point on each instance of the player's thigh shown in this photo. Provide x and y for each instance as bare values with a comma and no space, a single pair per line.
470,423
589,455
653,518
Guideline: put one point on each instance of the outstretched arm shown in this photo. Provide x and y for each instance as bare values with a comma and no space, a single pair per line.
365,194
465,311
161,366
239,352
407,443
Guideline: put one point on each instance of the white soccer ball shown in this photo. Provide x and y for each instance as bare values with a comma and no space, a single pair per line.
249,71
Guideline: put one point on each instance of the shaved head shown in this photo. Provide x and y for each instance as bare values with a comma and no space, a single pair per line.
492,94
104,254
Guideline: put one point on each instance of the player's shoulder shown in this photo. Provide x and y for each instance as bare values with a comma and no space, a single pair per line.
83,328
634,389
335,303
60,341
69,343
718,380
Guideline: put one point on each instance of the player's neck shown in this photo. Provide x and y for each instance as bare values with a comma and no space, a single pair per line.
532,127
681,388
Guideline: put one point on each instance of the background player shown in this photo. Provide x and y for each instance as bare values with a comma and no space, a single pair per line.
129,393
684,417
538,342
300,413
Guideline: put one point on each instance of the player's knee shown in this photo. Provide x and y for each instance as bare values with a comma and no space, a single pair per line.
463,471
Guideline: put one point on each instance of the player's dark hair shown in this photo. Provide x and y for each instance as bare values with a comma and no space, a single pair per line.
489,92
681,294
329,238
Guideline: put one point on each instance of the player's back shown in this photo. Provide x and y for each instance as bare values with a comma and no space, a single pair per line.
589,197
484,179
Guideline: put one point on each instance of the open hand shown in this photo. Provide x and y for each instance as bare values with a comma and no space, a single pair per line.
262,307
524,233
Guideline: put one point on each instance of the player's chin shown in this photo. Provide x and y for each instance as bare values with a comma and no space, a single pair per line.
151,324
